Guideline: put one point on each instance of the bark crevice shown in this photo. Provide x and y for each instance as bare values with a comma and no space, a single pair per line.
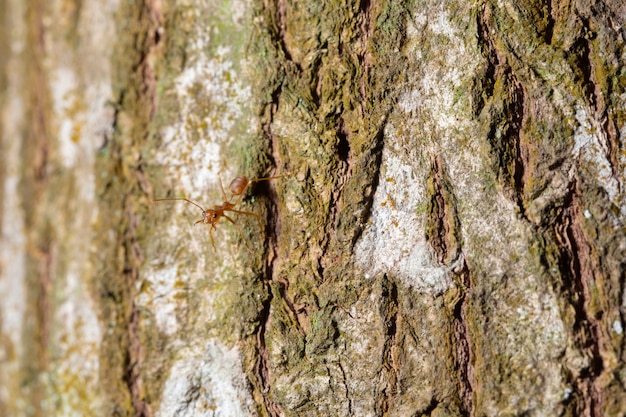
262,372
123,195
443,233
134,350
503,110
577,275
261,380
389,311
40,242
464,352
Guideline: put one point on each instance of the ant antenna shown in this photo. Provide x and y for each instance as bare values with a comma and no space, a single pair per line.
183,199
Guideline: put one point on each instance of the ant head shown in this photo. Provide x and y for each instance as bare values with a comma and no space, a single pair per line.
209,216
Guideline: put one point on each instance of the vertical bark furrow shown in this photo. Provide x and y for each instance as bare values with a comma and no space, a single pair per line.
464,353
438,231
280,9
296,315
34,185
390,314
443,233
581,52
550,21
261,381
132,374
484,81
514,135
504,112
579,283
365,8
134,352
346,387
443,227
147,40
122,196
356,212
335,204
43,321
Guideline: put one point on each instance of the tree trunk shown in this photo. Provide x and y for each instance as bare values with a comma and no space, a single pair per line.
446,235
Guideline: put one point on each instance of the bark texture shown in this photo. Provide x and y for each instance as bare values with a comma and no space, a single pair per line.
447,235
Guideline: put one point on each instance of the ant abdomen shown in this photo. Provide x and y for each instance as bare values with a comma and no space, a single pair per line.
238,185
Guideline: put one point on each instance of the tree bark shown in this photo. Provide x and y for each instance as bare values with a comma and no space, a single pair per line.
446,235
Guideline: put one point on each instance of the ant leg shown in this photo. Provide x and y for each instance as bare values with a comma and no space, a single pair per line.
249,213
212,241
240,232
219,175
264,179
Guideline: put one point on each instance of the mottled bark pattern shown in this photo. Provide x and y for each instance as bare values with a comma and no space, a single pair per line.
446,236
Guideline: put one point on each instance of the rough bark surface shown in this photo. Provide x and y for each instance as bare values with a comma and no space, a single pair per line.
446,236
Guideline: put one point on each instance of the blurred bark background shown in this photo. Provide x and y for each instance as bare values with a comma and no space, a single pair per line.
447,237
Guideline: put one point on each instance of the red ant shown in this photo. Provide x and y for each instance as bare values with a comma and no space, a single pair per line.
237,187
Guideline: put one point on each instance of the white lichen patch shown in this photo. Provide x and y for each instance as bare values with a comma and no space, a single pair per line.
206,112
207,382
81,93
75,368
617,327
442,74
68,114
362,332
13,301
591,145
12,244
535,321
394,241
213,102
168,285
162,296
165,289
440,118
214,105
